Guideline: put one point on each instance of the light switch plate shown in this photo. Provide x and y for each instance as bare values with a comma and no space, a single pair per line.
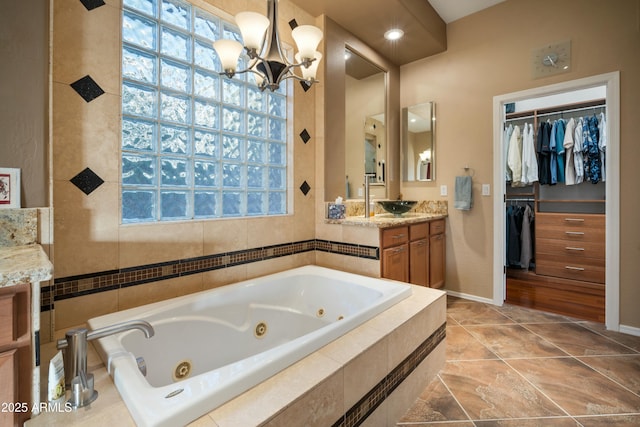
486,189
443,190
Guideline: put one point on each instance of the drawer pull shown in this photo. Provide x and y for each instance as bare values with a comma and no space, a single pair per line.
569,248
568,267
574,219
398,250
574,233
398,236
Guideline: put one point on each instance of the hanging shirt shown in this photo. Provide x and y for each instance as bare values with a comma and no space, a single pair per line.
578,147
529,161
602,143
507,137
514,157
591,150
553,162
570,168
526,248
542,148
560,127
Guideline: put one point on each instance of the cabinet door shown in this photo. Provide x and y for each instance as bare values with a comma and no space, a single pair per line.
8,390
436,260
419,262
395,263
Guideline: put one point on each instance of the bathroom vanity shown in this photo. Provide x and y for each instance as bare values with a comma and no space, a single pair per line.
412,246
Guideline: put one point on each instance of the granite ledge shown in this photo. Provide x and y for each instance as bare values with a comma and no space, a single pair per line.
386,220
21,264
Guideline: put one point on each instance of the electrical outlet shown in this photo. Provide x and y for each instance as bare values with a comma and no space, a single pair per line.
443,190
486,189
360,192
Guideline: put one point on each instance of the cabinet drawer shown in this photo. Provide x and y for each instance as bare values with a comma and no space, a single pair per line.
579,227
419,231
436,227
587,269
394,236
574,249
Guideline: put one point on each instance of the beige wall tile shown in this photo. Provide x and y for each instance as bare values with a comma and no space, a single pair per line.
76,311
86,229
274,265
224,276
151,243
86,42
269,231
134,296
364,372
85,134
224,235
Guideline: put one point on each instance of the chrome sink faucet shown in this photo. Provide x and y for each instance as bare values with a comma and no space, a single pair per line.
367,212
74,347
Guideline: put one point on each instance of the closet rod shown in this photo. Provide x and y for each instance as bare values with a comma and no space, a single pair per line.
558,109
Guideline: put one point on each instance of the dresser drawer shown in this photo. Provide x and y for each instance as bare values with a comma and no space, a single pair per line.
394,236
436,227
573,228
571,248
571,267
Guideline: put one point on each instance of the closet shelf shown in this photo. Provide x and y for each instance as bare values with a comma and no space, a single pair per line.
571,201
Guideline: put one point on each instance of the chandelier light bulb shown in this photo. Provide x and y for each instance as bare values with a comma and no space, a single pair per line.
307,38
253,26
229,51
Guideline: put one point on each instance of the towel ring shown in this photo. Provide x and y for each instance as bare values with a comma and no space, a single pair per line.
467,169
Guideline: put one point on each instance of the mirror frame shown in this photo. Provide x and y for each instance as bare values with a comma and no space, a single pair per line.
337,39
365,122
405,142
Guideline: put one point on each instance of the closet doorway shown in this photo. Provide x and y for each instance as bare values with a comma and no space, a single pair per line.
597,205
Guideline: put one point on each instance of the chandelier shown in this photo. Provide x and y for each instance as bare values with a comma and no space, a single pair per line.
267,61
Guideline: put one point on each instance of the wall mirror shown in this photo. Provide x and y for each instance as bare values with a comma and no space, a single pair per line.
418,142
365,126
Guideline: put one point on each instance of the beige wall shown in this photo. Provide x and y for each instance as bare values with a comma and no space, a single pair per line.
88,235
488,54
24,96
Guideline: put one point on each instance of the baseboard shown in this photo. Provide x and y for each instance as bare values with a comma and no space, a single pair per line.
631,330
470,297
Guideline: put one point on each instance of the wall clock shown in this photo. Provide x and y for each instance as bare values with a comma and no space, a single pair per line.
551,59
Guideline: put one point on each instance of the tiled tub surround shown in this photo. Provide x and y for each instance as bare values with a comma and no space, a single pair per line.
339,384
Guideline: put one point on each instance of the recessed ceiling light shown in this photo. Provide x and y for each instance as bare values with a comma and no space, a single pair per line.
394,34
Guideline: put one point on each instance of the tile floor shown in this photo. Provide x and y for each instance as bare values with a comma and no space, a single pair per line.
511,366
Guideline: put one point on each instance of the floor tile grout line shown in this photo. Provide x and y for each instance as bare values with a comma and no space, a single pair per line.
584,325
603,374
457,400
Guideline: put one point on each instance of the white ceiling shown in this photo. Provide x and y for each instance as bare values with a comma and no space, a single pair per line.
451,10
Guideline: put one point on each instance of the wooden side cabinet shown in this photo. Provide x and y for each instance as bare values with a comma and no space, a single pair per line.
414,253
15,354
437,251
395,253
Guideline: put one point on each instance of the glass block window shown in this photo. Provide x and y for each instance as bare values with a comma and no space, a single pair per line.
194,144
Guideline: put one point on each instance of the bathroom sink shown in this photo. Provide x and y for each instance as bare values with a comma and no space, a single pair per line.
397,207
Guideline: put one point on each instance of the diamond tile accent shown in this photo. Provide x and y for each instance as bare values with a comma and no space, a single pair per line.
87,181
87,88
92,4
305,136
305,188
293,24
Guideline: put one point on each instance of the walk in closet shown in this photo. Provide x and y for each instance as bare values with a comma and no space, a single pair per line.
554,206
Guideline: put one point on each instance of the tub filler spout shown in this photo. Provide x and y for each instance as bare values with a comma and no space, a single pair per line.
74,347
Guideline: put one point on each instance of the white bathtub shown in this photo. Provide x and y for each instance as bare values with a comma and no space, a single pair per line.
220,343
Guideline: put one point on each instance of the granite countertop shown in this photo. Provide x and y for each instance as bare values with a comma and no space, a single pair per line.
386,220
20,264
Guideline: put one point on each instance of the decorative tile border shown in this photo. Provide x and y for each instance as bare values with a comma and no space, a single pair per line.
359,412
75,286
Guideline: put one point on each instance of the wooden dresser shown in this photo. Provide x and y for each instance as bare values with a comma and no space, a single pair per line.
571,246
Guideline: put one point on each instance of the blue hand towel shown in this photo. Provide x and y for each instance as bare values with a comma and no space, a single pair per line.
464,195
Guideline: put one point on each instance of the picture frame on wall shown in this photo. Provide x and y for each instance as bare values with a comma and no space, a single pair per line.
9,188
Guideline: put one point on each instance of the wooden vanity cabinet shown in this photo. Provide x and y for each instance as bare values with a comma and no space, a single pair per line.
15,354
437,251
407,253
